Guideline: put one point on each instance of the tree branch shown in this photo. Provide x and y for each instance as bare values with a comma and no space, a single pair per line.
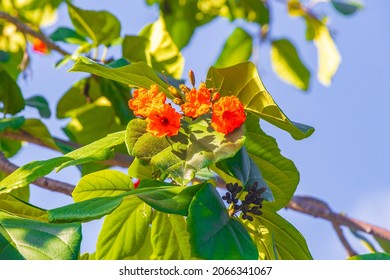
351,252
26,29
318,208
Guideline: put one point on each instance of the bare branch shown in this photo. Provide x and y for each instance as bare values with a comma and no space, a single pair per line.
26,29
351,252
317,208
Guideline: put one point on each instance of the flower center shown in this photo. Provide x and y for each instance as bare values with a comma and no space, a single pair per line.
164,121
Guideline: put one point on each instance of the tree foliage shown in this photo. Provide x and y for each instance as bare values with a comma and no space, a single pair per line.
203,193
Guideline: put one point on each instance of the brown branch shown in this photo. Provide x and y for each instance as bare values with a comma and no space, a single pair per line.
26,29
317,208
50,184
21,135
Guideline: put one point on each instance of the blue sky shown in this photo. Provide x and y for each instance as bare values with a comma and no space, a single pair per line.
345,162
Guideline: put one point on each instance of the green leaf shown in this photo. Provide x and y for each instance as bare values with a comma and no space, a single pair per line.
242,167
288,65
237,48
137,170
279,173
385,244
365,241
92,122
124,231
250,10
84,211
346,8
137,48
213,234
169,236
37,129
328,56
137,74
12,123
28,173
183,155
372,256
67,35
97,151
4,56
14,44
101,27
104,183
18,207
34,240
40,103
10,147
272,228
11,97
243,81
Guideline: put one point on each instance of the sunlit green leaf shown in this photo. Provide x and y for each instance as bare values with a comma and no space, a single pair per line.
34,240
185,154
272,228
385,244
215,235
169,236
279,173
237,48
18,207
288,65
11,123
243,81
250,10
328,56
124,230
140,171
40,103
137,74
13,43
10,147
101,27
104,183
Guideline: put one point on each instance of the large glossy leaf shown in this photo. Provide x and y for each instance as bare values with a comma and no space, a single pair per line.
215,235
97,151
169,236
28,173
280,173
84,211
373,256
158,49
124,230
279,238
11,97
288,65
18,207
137,74
101,27
183,155
104,183
67,35
243,81
140,171
328,56
33,240
237,48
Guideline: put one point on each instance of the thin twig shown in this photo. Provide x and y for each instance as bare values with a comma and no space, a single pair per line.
26,29
351,252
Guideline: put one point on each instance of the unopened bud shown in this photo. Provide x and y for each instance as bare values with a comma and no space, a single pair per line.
184,89
174,92
178,101
215,96
191,75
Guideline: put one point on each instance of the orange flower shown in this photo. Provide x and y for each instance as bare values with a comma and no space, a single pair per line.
39,46
163,121
197,102
228,114
146,100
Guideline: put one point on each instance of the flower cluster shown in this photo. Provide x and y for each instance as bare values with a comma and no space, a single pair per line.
227,112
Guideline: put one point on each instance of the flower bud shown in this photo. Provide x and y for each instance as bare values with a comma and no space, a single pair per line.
178,101
191,75
174,92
